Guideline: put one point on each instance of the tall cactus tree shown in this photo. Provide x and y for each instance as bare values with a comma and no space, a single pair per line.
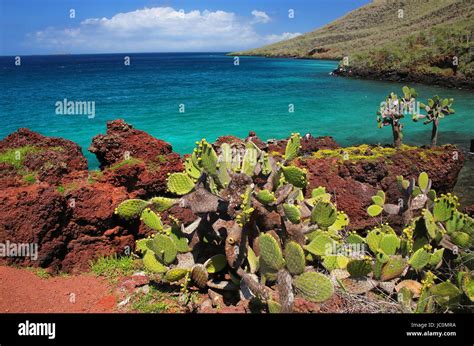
437,108
392,110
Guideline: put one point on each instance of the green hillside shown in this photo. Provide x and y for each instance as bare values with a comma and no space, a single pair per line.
378,38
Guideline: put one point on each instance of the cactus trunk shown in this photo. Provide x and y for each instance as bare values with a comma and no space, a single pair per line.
434,133
397,135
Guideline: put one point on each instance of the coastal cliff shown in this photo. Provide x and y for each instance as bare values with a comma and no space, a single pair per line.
426,41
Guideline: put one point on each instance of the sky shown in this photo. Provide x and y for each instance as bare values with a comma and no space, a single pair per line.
29,27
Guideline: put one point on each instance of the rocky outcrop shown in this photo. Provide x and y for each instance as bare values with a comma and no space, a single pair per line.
68,211
134,159
450,81
354,177
38,158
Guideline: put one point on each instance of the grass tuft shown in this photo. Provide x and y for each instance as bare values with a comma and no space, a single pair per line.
113,267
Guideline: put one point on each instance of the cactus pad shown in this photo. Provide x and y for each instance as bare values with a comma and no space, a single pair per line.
162,203
176,274
152,220
374,210
140,245
389,243
179,239
420,259
273,307
359,267
295,176
191,169
443,208
324,214
164,248
373,239
250,160
293,147
252,259
199,275
436,257
292,212
215,264
131,208
430,224
393,268
180,183
294,257
461,239
357,285
314,287
270,252
354,238
321,245
424,182
152,264
265,197
445,293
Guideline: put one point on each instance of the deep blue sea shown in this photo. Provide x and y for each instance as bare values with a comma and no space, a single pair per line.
219,98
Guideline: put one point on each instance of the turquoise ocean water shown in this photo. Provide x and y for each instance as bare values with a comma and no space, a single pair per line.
219,99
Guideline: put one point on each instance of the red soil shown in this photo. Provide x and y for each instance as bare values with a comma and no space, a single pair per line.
23,291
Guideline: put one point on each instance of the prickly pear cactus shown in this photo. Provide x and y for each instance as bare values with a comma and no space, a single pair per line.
176,274
324,214
293,147
295,176
265,197
131,208
321,245
419,259
394,267
444,207
162,203
389,244
180,183
292,212
314,287
164,248
152,264
215,264
152,220
359,267
295,258
199,275
270,252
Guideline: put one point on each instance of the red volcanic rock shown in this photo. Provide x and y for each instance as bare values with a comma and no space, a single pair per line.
122,138
354,182
227,139
67,211
309,144
145,170
47,159
351,196
70,229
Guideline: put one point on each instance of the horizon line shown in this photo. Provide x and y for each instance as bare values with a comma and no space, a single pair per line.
66,54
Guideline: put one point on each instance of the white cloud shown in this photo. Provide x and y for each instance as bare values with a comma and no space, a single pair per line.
285,36
260,17
158,29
